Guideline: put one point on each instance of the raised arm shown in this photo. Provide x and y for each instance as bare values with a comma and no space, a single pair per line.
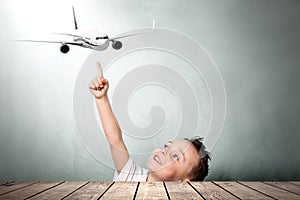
113,134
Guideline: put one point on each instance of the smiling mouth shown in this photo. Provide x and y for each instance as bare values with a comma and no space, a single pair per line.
157,159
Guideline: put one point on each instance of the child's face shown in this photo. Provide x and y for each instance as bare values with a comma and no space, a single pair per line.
174,161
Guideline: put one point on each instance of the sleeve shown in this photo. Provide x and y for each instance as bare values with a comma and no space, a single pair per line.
131,172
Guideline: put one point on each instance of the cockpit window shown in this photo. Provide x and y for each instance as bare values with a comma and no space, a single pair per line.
105,37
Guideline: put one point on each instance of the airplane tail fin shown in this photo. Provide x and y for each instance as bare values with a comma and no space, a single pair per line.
75,22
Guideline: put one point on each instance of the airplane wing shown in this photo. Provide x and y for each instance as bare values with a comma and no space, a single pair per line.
129,35
69,34
47,41
111,39
133,34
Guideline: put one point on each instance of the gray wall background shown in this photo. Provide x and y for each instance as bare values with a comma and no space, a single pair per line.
255,44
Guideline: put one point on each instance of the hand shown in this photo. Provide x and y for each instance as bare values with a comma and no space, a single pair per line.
99,85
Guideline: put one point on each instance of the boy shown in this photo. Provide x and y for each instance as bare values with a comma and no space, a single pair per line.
179,160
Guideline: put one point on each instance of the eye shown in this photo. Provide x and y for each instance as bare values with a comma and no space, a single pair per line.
175,157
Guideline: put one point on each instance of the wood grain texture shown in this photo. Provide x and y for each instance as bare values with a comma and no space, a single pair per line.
145,190
241,191
295,182
153,190
29,191
92,190
14,186
271,191
181,190
121,190
286,186
59,191
210,191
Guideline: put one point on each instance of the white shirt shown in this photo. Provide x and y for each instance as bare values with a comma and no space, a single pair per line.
131,172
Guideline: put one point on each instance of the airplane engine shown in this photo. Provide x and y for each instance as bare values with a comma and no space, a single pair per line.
117,45
64,48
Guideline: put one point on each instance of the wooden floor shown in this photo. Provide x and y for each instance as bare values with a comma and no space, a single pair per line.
143,190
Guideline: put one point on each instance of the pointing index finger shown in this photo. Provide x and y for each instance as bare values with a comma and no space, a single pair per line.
99,69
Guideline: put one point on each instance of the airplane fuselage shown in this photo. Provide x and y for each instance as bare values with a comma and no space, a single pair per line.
96,40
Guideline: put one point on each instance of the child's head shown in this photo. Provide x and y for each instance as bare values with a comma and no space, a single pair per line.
180,160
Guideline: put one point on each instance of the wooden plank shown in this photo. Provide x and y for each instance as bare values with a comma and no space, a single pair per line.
241,191
286,186
92,190
271,191
181,190
210,191
121,190
14,186
155,190
9,183
59,191
295,182
29,191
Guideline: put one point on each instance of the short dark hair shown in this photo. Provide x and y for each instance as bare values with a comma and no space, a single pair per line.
199,172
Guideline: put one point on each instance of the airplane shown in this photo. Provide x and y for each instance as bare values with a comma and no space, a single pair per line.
96,40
